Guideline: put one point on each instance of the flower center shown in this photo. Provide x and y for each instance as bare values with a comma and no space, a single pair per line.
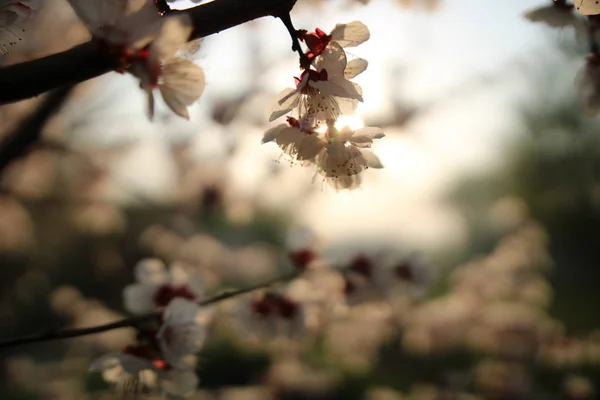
166,293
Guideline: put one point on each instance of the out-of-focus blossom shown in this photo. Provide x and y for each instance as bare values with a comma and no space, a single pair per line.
270,314
13,16
183,332
156,287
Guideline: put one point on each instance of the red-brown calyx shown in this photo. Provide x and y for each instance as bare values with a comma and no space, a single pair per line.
316,42
313,75
302,257
166,293
362,265
274,305
125,57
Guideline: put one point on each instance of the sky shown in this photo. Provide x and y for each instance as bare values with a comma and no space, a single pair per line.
434,60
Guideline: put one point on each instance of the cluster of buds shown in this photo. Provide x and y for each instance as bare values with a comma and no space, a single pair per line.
324,91
367,278
562,14
164,355
147,45
13,15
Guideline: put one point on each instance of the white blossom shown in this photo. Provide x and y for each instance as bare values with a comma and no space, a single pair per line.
183,332
155,287
297,139
322,93
346,154
13,15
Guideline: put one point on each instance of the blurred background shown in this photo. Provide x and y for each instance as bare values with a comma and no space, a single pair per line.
491,181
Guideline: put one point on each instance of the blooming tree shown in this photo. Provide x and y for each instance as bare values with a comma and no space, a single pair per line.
170,308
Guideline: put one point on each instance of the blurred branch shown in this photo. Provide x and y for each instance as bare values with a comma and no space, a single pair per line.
83,62
133,321
28,132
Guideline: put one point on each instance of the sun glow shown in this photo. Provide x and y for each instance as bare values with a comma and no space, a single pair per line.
353,122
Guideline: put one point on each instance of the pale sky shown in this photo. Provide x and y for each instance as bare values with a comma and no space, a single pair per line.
440,55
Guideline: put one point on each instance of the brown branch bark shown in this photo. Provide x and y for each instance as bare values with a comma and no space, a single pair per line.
133,321
83,62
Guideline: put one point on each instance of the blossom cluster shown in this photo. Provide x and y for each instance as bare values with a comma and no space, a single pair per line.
149,46
323,92
561,14
163,357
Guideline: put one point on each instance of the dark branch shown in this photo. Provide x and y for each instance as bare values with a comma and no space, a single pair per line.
83,62
28,132
131,322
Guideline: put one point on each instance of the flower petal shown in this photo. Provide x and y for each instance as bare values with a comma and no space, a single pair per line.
351,34
286,101
340,88
355,68
371,160
151,271
182,84
139,298
180,383
272,133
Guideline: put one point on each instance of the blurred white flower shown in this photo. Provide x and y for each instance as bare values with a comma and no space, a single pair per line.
183,332
270,315
156,287
13,15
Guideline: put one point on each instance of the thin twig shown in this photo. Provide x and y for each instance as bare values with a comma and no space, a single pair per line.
83,62
287,21
132,321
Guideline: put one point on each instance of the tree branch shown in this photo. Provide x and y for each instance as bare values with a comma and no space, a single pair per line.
28,132
133,321
83,62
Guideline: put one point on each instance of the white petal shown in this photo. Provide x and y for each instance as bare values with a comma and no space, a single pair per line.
127,362
340,88
355,67
363,137
182,84
151,271
350,35
183,332
272,133
310,147
285,101
180,383
372,161
180,311
174,33
333,60
139,298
